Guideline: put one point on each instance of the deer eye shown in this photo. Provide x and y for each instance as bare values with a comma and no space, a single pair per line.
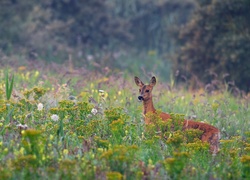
147,90
139,90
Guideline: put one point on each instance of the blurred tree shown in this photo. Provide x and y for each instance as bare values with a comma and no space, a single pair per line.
12,15
143,24
93,32
216,42
51,28
150,21
89,22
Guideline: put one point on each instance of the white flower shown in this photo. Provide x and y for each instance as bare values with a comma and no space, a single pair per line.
90,57
40,107
94,111
22,127
89,115
54,117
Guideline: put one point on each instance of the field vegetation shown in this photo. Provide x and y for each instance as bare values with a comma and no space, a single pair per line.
68,101
84,125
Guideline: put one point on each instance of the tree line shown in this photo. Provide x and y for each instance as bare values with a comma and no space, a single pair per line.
203,40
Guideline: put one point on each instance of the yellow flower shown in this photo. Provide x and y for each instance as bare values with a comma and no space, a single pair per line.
21,151
51,137
5,150
114,176
119,93
36,73
65,151
21,68
170,160
31,132
27,76
100,149
215,106
245,159
196,101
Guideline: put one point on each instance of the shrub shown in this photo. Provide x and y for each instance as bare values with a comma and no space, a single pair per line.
215,43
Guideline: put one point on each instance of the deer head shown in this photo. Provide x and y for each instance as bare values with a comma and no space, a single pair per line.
145,90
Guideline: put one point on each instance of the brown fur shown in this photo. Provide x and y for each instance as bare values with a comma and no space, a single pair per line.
210,133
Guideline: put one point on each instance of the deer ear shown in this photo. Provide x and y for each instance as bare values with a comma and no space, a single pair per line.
152,81
138,82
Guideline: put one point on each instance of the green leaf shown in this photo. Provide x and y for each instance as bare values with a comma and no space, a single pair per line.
8,88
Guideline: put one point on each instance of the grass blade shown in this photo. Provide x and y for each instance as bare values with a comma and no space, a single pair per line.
11,87
8,87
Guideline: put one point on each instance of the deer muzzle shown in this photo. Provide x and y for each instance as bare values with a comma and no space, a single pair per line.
140,98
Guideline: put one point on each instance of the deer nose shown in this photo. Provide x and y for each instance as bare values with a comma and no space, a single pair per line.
140,98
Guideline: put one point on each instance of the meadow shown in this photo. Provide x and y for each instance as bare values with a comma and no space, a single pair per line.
57,124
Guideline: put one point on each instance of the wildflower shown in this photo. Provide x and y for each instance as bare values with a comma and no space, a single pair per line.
90,57
142,135
100,149
22,127
37,73
21,151
245,159
126,132
31,133
89,116
65,152
113,175
21,68
94,111
40,107
54,117
5,150
101,91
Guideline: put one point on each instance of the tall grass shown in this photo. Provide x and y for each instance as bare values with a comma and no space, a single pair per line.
8,84
92,128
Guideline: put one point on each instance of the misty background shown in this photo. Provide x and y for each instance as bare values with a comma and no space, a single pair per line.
201,43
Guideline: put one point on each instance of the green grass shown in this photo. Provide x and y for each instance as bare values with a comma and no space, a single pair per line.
100,130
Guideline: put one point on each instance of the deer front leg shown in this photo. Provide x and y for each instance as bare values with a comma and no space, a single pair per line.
213,139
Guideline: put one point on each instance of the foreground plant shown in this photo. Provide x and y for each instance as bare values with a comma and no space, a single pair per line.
8,85
52,136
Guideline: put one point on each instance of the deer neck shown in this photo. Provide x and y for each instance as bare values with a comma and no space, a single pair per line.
148,106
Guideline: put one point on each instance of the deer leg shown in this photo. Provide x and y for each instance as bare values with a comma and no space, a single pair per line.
212,139
214,142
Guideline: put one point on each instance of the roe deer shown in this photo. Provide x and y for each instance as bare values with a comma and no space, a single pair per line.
210,133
